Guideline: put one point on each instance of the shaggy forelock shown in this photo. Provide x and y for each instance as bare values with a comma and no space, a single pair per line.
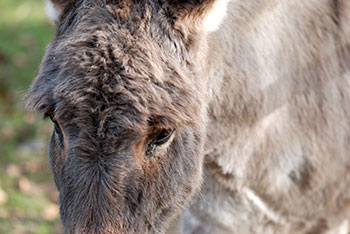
115,70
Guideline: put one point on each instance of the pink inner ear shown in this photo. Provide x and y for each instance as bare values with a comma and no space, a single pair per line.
52,11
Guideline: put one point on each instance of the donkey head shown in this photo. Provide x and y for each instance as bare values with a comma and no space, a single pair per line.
123,83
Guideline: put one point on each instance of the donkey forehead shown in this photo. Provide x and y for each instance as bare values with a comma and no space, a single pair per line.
110,48
97,69
135,84
100,62
112,51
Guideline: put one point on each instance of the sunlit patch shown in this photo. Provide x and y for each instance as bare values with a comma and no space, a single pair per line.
216,15
264,208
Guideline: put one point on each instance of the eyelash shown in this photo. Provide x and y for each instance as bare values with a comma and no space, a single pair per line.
57,129
160,138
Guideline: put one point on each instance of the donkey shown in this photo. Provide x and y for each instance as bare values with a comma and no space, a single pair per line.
233,115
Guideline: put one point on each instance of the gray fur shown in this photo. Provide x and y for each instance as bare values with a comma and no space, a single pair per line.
262,104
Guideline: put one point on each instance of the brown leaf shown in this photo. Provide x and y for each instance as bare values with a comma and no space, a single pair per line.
3,197
33,166
24,185
13,170
51,212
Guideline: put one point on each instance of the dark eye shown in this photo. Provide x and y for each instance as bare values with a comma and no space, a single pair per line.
58,132
159,138
163,136
57,128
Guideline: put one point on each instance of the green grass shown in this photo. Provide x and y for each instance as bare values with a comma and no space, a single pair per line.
28,198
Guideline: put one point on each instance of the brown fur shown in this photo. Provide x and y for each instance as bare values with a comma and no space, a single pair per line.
265,100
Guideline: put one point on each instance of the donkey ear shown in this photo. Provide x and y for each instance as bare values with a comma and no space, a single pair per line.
40,96
55,8
203,14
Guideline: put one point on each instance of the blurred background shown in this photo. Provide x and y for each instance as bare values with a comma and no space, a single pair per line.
28,196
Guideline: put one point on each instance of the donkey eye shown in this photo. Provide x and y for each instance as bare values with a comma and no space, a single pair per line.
159,138
57,128
58,132
163,136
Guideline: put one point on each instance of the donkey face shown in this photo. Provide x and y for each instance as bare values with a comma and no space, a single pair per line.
121,83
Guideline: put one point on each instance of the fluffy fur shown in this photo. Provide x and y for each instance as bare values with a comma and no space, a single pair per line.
262,103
